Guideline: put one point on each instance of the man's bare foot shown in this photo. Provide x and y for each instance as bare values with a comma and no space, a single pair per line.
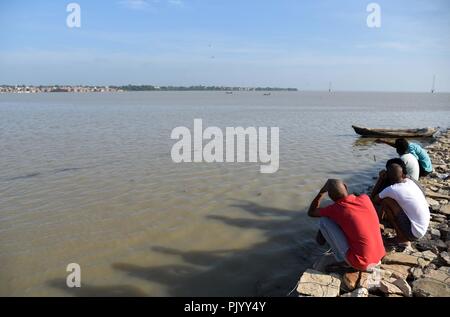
339,267
393,244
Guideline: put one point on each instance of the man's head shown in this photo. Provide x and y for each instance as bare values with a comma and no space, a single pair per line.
336,189
397,161
396,170
401,145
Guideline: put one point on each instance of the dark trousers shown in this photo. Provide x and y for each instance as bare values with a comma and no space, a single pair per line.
422,171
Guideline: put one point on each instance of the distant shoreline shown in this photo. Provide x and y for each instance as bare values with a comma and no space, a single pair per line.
24,89
128,88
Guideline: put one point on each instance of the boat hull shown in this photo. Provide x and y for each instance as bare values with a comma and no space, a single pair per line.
395,133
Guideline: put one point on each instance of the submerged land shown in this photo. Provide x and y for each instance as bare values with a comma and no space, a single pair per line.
421,270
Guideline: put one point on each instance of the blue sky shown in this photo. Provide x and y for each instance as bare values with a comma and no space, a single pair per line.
303,44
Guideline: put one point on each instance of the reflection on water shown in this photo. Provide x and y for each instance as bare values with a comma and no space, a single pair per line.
88,178
365,142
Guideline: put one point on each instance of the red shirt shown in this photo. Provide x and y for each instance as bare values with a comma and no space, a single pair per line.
357,218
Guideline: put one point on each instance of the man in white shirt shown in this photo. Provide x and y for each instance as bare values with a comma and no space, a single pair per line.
403,205
412,165
384,182
403,146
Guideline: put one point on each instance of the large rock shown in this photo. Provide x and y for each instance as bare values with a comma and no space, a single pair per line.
416,272
445,234
398,270
438,217
435,233
427,287
441,219
350,280
427,255
403,286
317,284
436,209
439,244
369,281
405,259
429,268
433,283
439,275
445,209
445,257
433,225
434,245
389,288
432,202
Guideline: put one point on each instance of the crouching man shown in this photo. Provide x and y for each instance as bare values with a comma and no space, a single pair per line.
350,226
403,205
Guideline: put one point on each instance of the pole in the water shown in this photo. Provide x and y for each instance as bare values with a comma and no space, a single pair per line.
434,83
329,86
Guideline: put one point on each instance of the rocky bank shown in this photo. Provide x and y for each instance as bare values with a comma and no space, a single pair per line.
422,270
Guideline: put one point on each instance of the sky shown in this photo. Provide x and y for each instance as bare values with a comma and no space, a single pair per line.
279,43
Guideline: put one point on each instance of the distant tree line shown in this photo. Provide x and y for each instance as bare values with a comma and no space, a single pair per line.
86,88
197,88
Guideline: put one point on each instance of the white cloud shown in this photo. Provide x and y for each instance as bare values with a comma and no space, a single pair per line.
135,4
399,46
149,4
416,44
177,3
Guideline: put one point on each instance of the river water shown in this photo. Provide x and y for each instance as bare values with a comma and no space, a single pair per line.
88,179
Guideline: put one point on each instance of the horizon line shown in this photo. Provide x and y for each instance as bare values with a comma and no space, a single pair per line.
229,86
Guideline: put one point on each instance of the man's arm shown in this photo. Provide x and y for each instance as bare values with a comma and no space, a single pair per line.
314,210
380,182
376,200
385,142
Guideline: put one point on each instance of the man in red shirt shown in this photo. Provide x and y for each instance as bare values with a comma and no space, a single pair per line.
350,226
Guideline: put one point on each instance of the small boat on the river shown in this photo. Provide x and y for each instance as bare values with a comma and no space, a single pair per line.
395,133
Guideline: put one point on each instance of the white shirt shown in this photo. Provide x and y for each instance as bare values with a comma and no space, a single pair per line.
411,199
412,165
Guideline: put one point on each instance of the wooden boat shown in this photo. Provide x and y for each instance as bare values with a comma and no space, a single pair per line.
395,133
